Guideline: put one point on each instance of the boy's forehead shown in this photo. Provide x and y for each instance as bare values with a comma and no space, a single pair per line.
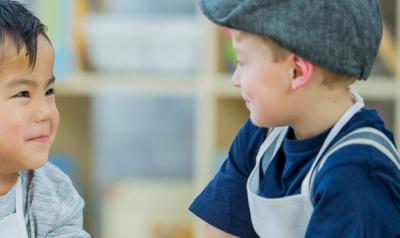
14,62
10,54
245,39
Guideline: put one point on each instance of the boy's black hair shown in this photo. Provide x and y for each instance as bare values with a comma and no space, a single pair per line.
20,26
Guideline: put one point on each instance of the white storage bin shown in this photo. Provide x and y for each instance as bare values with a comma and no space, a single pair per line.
152,45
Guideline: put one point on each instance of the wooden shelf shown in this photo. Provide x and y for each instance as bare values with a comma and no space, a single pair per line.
218,109
89,84
378,87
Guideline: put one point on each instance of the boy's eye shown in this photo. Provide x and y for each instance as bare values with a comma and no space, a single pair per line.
24,94
51,91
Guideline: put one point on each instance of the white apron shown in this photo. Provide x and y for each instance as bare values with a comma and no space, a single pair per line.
288,217
13,226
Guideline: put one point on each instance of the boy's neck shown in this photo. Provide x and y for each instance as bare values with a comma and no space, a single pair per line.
323,114
7,182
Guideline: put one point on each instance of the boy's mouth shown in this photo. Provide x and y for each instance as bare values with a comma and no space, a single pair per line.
40,139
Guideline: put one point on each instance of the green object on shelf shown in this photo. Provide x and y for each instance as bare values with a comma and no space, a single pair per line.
59,16
49,12
229,56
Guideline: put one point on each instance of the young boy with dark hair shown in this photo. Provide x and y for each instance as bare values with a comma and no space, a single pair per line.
36,198
326,167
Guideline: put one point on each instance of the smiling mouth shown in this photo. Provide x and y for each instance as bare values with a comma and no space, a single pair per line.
40,139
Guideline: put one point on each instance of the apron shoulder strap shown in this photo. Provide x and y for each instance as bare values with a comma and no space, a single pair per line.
273,148
362,136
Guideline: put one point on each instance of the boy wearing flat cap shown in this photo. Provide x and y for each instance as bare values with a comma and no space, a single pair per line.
326,167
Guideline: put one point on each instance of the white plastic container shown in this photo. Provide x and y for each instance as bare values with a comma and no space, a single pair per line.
155,45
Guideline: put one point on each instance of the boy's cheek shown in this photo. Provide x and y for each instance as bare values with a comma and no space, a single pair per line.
55,121
10,145
11,128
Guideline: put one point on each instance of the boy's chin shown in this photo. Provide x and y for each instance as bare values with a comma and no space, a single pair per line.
258,122
261,122
36,162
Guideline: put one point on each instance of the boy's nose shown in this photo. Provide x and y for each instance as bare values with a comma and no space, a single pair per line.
235,80
43,112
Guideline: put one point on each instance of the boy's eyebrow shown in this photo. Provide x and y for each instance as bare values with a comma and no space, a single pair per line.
29,82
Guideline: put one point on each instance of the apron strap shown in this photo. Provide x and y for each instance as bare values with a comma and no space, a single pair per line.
271,151
362,136
20,209
18,206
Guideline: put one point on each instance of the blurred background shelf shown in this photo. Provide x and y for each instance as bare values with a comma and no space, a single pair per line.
148,207
92,83
148,111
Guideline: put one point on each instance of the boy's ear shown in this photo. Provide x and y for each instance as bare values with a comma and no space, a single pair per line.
302,71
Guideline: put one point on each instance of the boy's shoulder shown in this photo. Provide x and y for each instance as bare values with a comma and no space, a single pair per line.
55,182
52,204
51,192
364,158
366,118
51,172
51,178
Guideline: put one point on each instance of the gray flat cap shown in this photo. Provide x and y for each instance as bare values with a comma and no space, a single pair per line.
342,36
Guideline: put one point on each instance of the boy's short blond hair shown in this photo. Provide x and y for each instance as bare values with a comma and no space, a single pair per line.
331,79
278,53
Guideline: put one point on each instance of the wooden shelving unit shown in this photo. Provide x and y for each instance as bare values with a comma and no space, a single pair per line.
219,111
